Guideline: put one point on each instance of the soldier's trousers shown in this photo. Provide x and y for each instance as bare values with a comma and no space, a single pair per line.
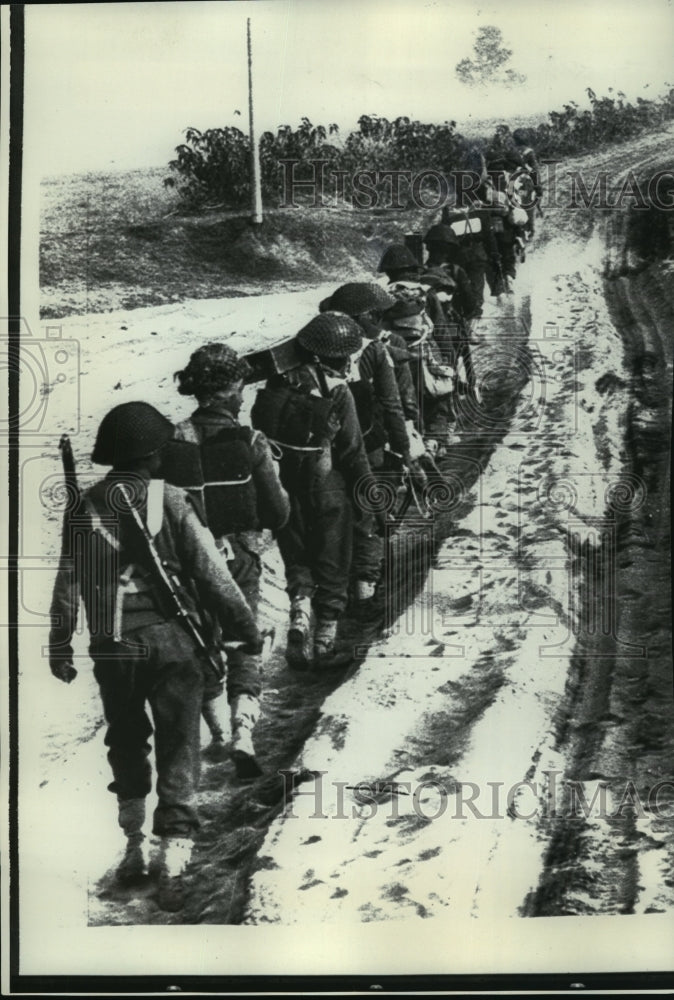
436,413
368,545
475,266
243,670
316,545
506,246
165,674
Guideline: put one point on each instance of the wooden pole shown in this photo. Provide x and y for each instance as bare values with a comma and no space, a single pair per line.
254,151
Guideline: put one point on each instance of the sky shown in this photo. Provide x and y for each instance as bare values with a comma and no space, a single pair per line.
113,85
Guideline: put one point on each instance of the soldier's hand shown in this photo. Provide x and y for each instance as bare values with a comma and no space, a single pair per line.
63,670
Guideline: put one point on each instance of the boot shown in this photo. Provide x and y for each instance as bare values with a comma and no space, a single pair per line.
245,713
176,856
133,866
324,641
216,750
299,632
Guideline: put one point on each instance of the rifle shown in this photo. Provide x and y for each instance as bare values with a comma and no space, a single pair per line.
411,497
64,670
211,658
69,471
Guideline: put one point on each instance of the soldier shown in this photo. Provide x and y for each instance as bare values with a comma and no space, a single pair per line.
141,652
471,221
444,254
528,158
431,345
531,191
248,498
310,413
503,228
380,411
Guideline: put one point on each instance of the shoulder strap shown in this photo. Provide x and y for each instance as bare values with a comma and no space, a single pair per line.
155,506
97,523
187,431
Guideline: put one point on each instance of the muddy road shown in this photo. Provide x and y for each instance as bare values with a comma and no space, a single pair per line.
472,754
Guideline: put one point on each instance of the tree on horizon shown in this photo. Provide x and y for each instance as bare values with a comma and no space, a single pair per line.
488,67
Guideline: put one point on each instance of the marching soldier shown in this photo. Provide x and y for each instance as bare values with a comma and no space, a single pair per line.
471,222
248,498
380,411
311,415
143,654
444,254
428,336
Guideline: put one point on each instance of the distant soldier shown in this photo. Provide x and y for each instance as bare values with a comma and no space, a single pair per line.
380,411
142,654
504,231
430,343
310,414
471,221
528,158
444,251
444,254
528,195
244,497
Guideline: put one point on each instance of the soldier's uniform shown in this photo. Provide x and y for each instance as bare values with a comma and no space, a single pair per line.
429,341
141,653
321,477
250,498
444,255
472,224
375,386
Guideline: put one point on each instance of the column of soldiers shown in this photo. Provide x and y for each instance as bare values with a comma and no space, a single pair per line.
371,389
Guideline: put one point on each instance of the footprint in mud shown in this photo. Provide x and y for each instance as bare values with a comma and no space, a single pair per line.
431,852
310,885
396,891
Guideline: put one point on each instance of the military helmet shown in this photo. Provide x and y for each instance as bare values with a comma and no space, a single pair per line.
397,258
357,297
441,234
130,431
211,367
331,335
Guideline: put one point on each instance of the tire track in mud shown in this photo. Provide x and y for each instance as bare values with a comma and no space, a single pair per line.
616,730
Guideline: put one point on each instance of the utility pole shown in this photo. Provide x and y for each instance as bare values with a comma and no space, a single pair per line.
256,217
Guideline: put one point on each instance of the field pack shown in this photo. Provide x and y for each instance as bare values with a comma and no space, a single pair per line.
219,475
291,417
275,360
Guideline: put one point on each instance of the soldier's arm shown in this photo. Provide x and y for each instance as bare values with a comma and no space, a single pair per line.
489,239
219,592
465,289
272,500
442,332
348,442
388,394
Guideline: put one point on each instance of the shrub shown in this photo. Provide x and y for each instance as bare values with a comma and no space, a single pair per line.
213,167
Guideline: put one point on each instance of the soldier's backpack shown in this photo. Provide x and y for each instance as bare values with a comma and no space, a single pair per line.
291,416
218,473
274,360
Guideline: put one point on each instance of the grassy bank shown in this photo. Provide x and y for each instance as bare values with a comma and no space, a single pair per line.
121,241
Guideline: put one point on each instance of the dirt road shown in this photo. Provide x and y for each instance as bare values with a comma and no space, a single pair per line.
440,775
